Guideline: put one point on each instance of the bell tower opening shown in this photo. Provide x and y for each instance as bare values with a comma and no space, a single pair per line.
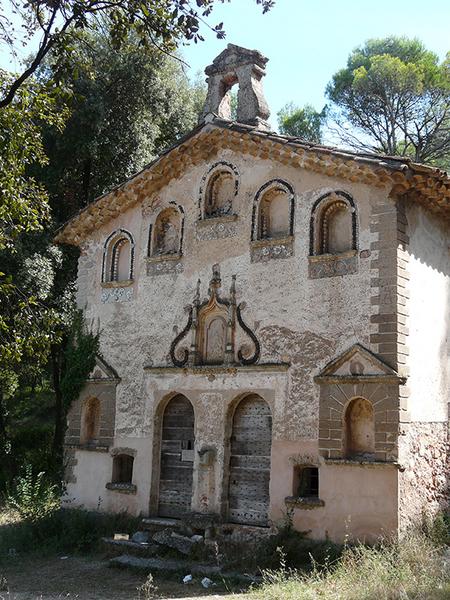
244,68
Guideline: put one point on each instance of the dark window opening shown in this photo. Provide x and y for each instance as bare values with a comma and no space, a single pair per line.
306,482
122,469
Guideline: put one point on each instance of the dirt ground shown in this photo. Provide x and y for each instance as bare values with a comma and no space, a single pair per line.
89,578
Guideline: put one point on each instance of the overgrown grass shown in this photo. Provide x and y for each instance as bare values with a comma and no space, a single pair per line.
414,568
297,551
62,531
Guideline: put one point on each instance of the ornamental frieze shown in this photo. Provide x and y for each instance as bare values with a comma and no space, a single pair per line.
116,294
216,228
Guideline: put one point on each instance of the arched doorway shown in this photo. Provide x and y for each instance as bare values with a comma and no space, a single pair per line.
250,447
177,458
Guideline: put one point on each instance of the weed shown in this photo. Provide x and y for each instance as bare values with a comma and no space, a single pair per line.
32,497
148,589
410,569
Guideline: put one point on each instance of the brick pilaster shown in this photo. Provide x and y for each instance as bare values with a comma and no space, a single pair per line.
389,283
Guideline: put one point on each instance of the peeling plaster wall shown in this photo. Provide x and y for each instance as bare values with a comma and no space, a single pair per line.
93,470
291,313
303,321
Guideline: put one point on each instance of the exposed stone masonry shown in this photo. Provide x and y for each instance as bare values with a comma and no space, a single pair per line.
424,480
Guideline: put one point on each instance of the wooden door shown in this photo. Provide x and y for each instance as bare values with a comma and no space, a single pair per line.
251,442
177,458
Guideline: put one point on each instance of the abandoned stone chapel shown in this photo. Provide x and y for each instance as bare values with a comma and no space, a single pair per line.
274,330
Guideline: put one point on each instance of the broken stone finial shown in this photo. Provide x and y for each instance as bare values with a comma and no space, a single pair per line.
246,68
216,280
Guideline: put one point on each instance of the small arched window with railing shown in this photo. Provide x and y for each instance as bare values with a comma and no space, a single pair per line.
333,225
118,257
273,211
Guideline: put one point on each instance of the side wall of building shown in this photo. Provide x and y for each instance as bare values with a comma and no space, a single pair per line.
424,451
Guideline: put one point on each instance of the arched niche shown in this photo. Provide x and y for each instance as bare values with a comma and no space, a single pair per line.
90,421
118,257
218,189
219,195
273,211
215,340
249,466
212,335
359,429
166,233
333,225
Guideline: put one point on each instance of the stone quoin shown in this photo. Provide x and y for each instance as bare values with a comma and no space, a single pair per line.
274,330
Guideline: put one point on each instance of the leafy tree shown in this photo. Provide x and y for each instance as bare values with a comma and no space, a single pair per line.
305,123
25,326
394,97
161,23
23,200
35,313
126,107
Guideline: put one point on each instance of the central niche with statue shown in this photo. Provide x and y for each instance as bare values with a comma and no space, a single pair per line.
209,337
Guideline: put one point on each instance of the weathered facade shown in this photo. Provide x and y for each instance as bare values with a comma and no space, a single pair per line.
274,323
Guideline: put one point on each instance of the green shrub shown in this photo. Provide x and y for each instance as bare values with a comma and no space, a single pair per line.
438,528
32,497
64,530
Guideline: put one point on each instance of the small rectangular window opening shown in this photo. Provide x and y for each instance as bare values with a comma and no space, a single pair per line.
122,469
306,482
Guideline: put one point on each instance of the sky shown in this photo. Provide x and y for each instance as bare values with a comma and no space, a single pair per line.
307,41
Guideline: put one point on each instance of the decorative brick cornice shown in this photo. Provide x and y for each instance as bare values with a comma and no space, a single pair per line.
402,178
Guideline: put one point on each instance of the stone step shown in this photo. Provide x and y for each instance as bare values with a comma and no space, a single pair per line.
118,547
181,543
239,533
182,566
163,564
155,524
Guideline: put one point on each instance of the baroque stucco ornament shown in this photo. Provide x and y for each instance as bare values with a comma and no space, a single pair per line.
212,324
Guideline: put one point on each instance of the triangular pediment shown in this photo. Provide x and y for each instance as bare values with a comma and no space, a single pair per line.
209,138
102,372
357,363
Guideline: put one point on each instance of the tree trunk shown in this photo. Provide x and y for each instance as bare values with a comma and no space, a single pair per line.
6,471
86,184
58,435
